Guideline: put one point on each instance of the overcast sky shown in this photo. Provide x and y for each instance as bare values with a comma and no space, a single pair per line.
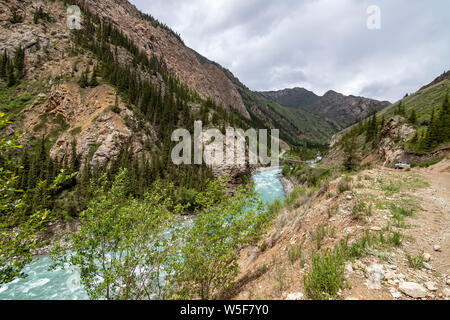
317,44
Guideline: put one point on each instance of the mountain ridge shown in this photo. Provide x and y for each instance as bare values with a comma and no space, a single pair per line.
337,108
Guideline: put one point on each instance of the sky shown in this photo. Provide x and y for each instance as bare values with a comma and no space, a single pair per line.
319,45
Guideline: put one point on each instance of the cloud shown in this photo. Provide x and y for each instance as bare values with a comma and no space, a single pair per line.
316,44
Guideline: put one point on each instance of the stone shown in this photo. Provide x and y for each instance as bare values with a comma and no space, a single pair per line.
349,268
446,292
431,286
412,289
437,248
395,294
393,267
427,266
376,272
427,257
373,284
295,296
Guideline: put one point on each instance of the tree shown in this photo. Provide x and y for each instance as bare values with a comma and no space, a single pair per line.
122,248
351,159
93,82
83,81
18,245
413,117
19,62
208,264
11,76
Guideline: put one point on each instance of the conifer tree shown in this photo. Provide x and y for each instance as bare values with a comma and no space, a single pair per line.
413,117
93,82
83,81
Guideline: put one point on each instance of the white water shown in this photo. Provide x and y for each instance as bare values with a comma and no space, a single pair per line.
64,284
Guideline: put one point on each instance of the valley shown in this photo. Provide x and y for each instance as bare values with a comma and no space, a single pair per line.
100,199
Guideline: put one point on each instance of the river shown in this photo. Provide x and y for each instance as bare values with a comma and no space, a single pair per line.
63,284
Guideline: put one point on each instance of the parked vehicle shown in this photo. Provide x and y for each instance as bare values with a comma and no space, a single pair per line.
403,165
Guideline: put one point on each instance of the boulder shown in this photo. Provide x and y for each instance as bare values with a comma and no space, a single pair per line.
412,289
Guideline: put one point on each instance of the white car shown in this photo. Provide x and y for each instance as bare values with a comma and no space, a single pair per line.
403,165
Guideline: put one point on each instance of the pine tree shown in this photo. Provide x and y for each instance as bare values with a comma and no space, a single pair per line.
3,64
11,76
83,81
93,82
413,117
19,62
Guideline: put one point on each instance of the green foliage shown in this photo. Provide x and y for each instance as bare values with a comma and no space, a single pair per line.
12,69
417,261
122,240
319,235
275,207
40,14
343,185
326,276
16,17
139,251
427,163
208,263
17,246
352,160
295,253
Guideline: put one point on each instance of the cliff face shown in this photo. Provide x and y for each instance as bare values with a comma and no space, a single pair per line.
198,73
96,119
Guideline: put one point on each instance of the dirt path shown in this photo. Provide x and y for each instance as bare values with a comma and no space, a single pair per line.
432,224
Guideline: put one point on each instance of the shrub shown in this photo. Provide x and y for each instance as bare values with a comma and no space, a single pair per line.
343,186
295,253
275,207
319,234
326,276
417,261
395,238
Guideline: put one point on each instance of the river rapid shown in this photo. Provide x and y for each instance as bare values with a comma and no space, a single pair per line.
64,284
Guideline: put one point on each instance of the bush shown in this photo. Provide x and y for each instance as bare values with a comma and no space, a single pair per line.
295,253
417,261
275,207
326,276
396,238
343,186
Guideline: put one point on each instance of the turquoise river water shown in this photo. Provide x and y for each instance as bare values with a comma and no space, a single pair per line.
64,284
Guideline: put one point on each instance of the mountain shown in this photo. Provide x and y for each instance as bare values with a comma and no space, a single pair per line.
336,108
296,97
414,129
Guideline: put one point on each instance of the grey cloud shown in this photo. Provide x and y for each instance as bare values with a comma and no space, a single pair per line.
316,44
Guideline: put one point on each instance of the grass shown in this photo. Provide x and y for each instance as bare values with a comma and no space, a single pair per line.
361,210
395,238
326,277
296,253
275,207
343,186
416,262
319,235
428,163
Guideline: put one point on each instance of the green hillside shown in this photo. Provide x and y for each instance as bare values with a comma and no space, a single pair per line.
295,124
426,113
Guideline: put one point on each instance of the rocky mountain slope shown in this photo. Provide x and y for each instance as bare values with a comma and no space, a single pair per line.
338,109
414,129
384,236
51,104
